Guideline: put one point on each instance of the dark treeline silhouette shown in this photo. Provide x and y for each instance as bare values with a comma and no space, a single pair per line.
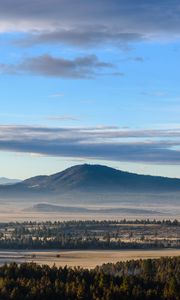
80,223
79,244
136,280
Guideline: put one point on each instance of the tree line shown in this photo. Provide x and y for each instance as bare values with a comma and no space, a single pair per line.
90,235
132,280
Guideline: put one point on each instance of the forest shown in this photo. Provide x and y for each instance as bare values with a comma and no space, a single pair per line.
124,234
138,280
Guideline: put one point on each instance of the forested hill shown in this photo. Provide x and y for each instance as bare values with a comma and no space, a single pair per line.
93,178
97,177
133,280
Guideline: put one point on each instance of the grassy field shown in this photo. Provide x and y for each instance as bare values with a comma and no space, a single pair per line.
84,259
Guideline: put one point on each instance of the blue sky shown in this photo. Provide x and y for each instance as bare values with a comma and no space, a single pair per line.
93,82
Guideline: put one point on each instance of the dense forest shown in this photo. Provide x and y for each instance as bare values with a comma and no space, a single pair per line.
137,280
124,234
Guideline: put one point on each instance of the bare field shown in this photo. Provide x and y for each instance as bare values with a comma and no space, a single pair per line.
83,259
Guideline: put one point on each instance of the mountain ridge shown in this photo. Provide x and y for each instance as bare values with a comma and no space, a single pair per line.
94,176
91,179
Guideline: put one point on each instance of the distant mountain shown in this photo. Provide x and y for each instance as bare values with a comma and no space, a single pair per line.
8,181
91,179
49,208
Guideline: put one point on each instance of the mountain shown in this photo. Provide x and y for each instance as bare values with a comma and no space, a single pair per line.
99,178
8,181
49,208
91,179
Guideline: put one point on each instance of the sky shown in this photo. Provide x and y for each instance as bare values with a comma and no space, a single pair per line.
89,82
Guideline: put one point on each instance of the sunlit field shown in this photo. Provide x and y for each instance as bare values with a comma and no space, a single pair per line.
84,259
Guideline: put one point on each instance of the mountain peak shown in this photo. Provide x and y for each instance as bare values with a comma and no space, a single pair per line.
89,168
87,175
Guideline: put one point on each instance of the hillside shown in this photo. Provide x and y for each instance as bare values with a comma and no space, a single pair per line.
99,178
91,179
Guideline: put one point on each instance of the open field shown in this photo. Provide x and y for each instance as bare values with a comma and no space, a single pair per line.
84,259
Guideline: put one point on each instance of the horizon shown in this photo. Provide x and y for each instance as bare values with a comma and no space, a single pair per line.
105,93
88,164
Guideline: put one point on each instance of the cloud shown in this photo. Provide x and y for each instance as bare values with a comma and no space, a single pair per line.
57,95
67,21
137,59
46,65
155,94
87,36
62,118
106,143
